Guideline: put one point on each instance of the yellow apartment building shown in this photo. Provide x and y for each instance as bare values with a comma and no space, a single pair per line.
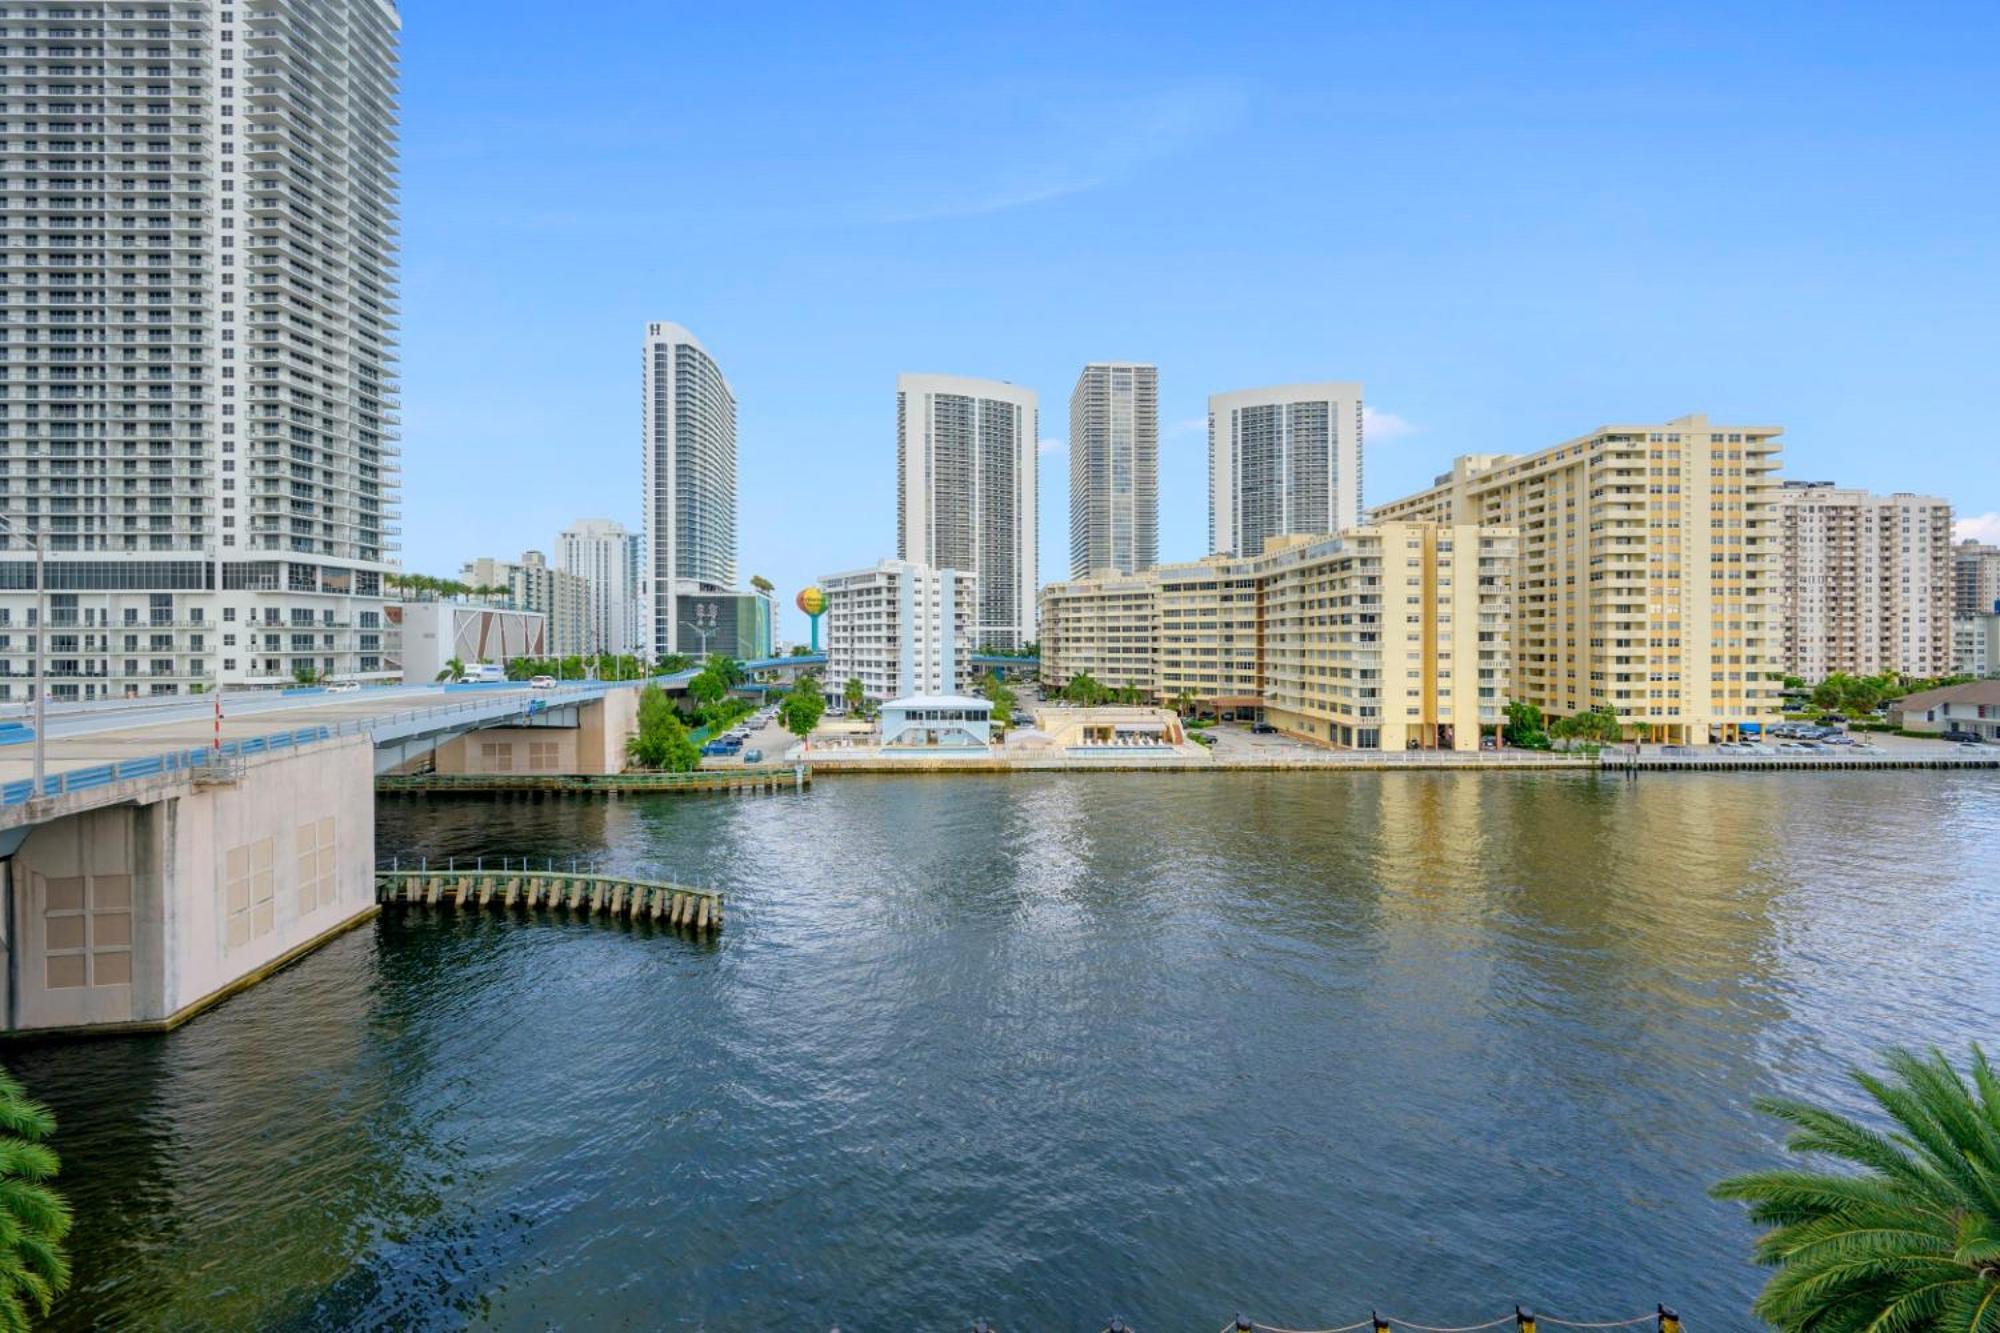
1208,634
1387,637
1106,628
1390,637
1646,574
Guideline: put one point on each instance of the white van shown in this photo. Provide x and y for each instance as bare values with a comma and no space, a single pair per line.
485,671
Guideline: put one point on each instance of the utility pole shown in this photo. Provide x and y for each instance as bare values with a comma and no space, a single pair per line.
19,527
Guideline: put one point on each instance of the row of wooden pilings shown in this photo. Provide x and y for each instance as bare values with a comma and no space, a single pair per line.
616,896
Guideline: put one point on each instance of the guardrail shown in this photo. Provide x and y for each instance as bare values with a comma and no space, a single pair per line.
179,764
174,764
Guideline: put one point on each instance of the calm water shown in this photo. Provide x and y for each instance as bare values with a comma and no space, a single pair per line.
1045,1049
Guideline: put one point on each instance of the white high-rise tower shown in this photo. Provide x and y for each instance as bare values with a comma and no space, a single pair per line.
201,263
1282,460
1114,469
690,479
598,551
965,493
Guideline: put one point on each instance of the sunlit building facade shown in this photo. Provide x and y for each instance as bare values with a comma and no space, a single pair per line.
1386,637
1647,574
965,493
1114,469
689,475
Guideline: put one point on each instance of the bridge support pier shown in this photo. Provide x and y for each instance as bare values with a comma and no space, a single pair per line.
136,914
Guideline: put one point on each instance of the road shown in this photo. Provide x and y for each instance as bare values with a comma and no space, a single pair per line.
98,734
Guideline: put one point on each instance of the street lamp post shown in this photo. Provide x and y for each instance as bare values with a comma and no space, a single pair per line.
19,528
703,624
704,631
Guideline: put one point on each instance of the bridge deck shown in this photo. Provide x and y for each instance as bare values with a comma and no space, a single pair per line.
112,741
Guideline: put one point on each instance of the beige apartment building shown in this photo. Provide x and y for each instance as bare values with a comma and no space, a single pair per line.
1208,635
1864,582
1105,628
1391,637
1386,637
1646,577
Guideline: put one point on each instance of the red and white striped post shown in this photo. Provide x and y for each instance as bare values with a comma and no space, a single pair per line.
218,720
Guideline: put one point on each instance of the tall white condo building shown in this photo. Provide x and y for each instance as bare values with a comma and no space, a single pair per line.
690,481
598,551
1114,469
965,493
1282,460
198,356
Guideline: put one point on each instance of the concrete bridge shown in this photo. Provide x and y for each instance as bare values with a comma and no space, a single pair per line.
169,860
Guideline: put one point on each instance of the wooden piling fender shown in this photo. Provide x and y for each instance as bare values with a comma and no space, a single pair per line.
702,924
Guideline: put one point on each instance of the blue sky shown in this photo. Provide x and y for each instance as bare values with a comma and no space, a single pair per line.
1512,222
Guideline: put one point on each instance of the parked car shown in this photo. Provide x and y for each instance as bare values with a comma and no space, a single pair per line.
343,687
721,747
1962,737
753,756
1263,729
541,682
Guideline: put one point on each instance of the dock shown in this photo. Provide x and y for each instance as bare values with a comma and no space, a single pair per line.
762,780
585,893
1809,762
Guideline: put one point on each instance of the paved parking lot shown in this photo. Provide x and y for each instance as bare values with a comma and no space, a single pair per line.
771,738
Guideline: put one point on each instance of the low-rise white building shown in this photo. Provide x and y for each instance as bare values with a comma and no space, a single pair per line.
900,628
428,635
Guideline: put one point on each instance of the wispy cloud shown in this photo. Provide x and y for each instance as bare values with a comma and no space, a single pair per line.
1189,426
1378,425
1047,145
1977,528
1051,446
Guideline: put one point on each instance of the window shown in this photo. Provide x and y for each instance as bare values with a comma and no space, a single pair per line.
314,844
249,893
87,930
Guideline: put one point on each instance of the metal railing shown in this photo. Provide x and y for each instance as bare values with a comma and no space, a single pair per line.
180,765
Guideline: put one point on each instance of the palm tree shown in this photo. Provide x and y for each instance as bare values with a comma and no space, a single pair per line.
454,669
1908,1241
854,694
33,1218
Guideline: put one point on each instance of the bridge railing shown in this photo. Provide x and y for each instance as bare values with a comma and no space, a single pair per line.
180,764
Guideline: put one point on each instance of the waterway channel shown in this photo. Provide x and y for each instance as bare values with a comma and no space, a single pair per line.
1044,1049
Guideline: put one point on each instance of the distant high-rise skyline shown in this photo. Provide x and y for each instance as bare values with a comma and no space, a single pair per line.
689,448
965,493
1114,469
1286,459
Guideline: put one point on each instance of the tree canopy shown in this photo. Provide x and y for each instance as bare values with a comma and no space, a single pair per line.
802,707
662,741
34,1219
1904,1236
